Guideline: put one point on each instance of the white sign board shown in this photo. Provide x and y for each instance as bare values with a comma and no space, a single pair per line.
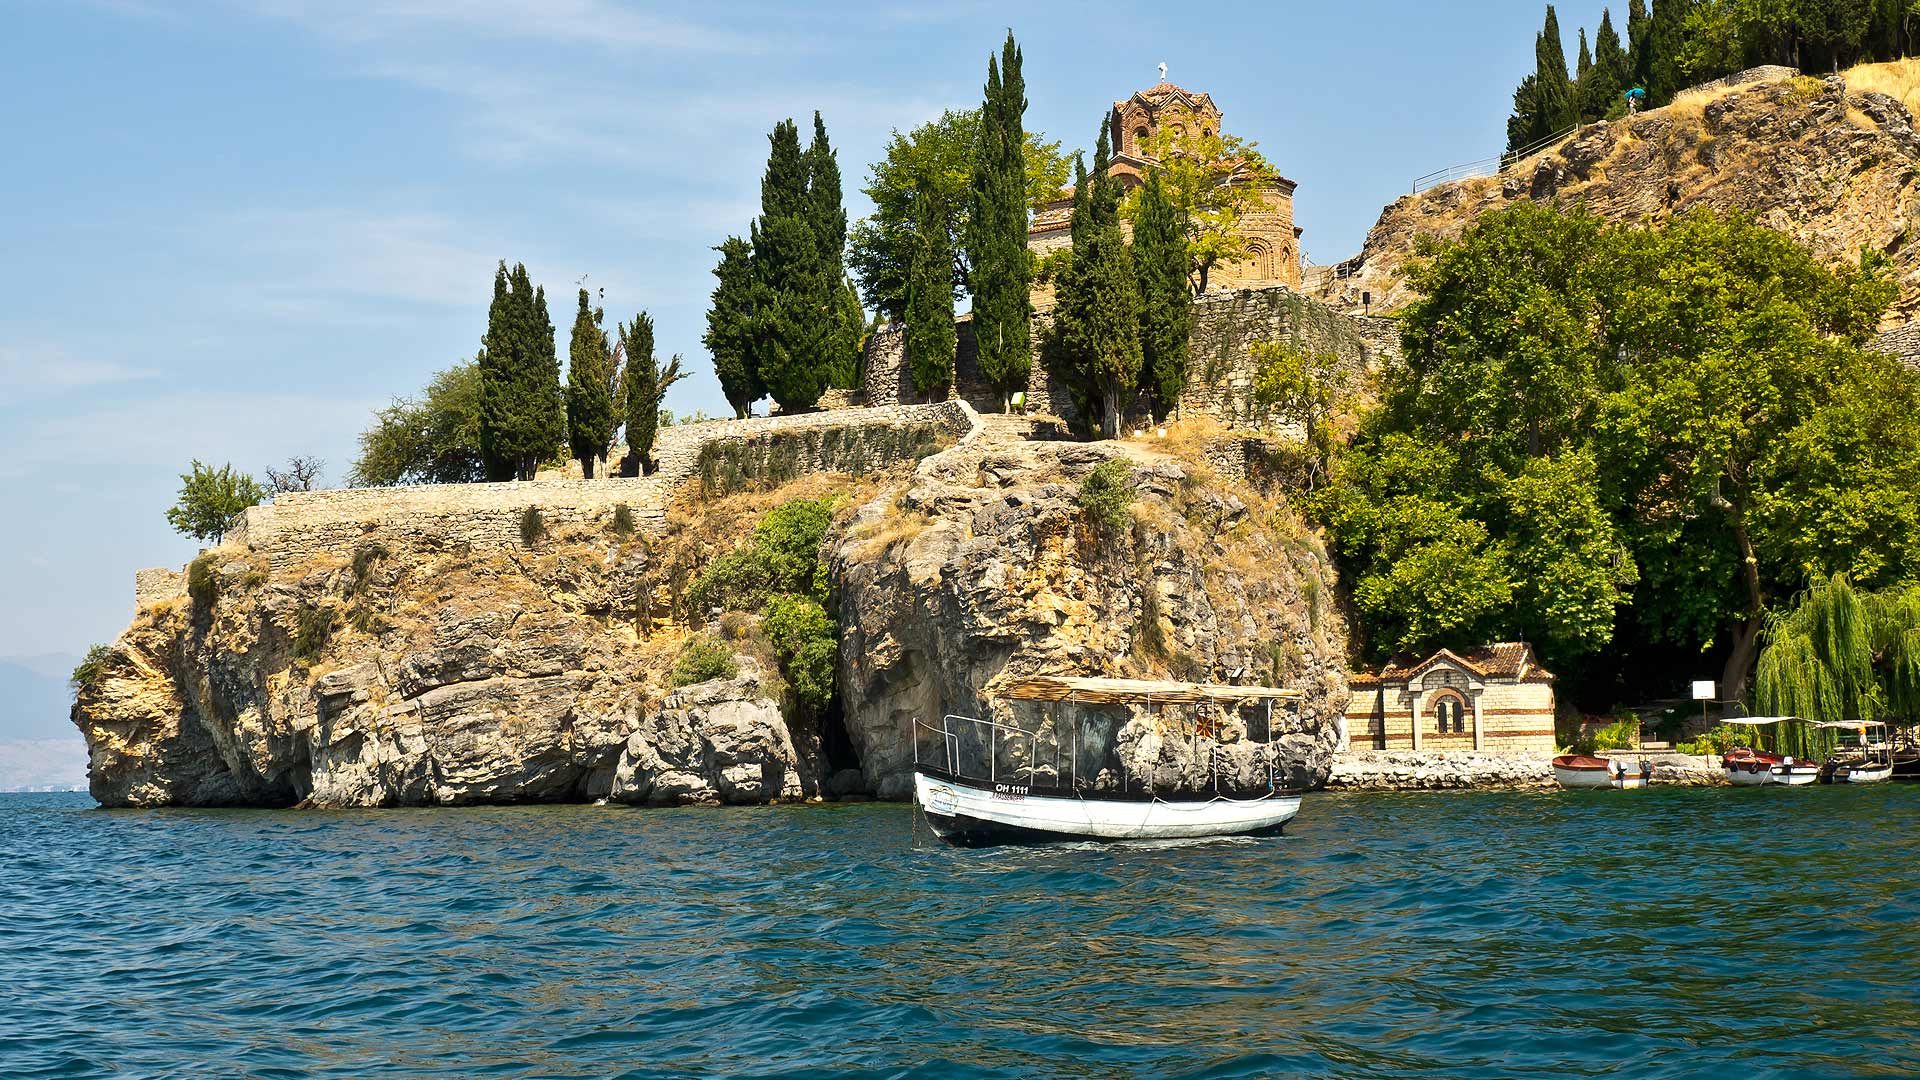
1703,691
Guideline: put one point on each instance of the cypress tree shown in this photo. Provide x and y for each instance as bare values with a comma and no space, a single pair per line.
828,216
997,229
1526,114
1585,62
1600,90
930,336
1166,300
1098,313
523,413
644,389
590,415
791,296
1666,37
731,325
1639,27
1553,91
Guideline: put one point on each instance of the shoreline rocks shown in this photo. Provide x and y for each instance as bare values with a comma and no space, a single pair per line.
1439,770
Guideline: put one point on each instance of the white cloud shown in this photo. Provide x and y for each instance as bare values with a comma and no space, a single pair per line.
573,22
34,371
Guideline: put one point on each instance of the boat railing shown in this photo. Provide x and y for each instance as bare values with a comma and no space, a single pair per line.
995,731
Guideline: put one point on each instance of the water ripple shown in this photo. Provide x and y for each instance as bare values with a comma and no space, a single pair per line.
1662,933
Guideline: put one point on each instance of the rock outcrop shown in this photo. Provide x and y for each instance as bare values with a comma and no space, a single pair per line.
1836,168
988,566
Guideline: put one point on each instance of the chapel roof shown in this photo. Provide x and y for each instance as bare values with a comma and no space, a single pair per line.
1511,660
1162,92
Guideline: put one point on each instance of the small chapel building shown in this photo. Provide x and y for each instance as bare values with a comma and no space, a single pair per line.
1273,241
1496,699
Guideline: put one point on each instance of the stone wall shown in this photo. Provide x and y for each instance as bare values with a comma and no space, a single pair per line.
1764,73
298,525
157,584
1902,343
1220,370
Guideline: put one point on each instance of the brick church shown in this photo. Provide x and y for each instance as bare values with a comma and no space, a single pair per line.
1273,256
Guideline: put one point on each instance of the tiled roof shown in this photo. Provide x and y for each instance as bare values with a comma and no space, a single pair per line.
1503,660
1160,93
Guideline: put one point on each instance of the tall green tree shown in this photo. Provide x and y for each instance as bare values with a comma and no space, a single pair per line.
828,217
1166,300
1666,45
1553,91
646,387
930,334
1585,62
937,160
732,327
1601,87
1002,268
590,410
211,501
523,412
793,288
1639,43
1840,655
1097,311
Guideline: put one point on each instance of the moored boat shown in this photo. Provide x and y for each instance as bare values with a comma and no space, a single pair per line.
970,799
1751,767
1583,771
1868,761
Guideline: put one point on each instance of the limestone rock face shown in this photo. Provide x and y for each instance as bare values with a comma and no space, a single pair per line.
1836,169
987,565
429,677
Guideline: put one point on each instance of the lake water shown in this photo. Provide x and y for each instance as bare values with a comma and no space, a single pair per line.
1654,933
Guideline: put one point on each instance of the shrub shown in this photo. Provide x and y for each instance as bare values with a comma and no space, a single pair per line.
202,586
212,500
807,643
622,523
365,558
313,630
703,659
533,526
91,668
783,556
1720,739
1106,494
1622,734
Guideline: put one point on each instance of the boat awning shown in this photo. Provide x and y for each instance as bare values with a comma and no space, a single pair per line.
1096,691
1850,725
1756,721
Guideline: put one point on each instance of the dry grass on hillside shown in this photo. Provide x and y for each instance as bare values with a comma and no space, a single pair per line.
1899,80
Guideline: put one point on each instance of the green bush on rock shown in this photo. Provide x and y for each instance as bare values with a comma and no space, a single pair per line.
703,659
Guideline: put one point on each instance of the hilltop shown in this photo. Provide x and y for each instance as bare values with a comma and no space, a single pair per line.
1833,163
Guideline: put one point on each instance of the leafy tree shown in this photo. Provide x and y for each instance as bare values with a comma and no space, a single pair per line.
590,414
930,335
997,229
793,283
1213,181
212,500
1166,301
1310,389
934,161
300,473
1840,655
1097,311
431,440
523,418
731,328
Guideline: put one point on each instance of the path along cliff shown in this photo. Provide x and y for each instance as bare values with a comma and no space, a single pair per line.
391,658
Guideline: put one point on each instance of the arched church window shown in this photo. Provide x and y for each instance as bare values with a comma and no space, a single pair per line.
1450,714
1139,137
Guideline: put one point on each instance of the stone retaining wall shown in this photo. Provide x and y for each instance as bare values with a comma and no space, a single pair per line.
298,525
1401,770
1220,366
1902,343
1763,73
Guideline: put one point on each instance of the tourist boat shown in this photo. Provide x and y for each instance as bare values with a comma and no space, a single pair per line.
970,800
1582,771
1869,761
1749,767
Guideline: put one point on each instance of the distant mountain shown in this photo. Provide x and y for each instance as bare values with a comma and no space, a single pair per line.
34,699
43,764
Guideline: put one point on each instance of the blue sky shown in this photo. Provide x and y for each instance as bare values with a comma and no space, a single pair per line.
235,227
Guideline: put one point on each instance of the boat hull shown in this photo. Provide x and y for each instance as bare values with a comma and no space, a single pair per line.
1574,771
1862,774
969,813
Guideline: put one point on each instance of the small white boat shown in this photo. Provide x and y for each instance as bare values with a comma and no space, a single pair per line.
1582,771
1870,761
987,782
1862,772
973,813
1751,767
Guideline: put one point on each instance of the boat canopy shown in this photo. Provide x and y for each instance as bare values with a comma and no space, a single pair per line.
1097,691
1757,721
1850,725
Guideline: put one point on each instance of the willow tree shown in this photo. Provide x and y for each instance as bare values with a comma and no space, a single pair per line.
1840,655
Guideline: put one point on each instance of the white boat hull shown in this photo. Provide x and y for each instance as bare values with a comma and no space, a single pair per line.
1863,774
1583,778
1793,775
971,814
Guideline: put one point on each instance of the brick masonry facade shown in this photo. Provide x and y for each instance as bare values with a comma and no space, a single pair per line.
1495,700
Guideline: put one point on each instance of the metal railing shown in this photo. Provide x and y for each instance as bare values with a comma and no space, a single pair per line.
1491,166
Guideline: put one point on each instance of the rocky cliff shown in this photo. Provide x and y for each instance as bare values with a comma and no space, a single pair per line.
1834,163
415,668
988,565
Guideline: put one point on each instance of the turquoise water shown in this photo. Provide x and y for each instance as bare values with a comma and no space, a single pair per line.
1655,933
